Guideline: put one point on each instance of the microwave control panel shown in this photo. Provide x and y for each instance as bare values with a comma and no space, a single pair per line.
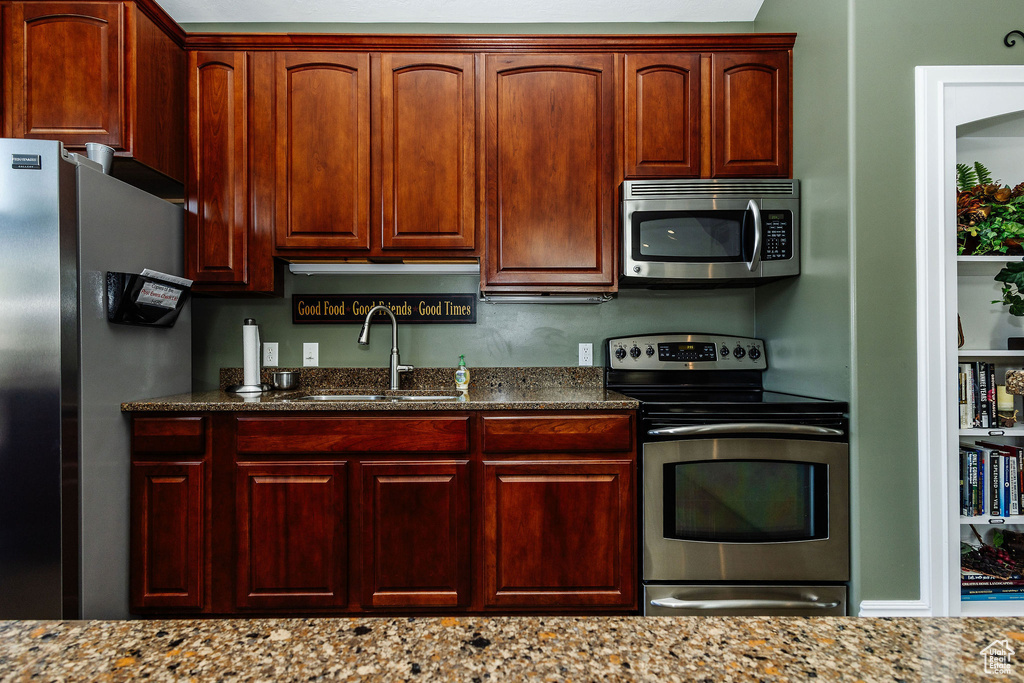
778,235
685,352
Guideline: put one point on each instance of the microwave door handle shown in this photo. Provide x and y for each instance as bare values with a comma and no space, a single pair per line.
755,258
675,603
746,428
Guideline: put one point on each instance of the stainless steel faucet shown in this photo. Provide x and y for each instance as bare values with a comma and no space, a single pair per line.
364,339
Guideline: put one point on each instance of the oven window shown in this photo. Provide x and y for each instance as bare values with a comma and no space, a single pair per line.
689,235
746,501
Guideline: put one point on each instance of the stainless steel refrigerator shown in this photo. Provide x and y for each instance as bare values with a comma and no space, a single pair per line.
64,372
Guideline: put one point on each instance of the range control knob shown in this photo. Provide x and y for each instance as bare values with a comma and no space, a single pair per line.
650,350
724,351
635,352
755,353
738,352
620,353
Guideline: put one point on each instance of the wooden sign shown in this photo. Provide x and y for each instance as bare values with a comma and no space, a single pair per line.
407,308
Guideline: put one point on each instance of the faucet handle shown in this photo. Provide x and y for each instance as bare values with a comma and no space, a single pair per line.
404,368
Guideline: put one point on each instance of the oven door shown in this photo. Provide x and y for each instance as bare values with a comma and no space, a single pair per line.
746,509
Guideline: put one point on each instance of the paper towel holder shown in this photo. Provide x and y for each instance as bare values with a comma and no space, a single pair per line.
250,388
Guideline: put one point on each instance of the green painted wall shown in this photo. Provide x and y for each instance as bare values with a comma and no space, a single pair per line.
504,334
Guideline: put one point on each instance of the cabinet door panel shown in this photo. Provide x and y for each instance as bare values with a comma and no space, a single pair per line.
550,172
428,150
51,101
663,115
323,150
415,534
751,118
291,535
167,535
218,216
558,534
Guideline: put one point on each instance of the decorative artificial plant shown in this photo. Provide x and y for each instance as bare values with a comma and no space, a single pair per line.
989,216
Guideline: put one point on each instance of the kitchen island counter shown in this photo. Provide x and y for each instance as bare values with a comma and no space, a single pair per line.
511,648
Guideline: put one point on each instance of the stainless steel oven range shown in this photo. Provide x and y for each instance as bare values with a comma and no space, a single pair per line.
744,492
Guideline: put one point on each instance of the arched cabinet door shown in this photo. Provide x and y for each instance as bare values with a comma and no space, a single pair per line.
428,151
49,100
663,117
751,124
322,150
551,172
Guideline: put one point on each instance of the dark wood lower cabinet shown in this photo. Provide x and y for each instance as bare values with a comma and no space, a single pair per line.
497,512
168,535
292,535
415,534
558,534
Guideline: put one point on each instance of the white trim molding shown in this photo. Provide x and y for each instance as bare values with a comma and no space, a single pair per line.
894,608
946,96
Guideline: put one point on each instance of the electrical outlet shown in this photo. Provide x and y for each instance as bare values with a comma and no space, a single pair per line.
270,354
586,353
310,354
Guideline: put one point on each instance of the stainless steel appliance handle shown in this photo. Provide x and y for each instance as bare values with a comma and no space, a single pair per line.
675,603
746,428
755,258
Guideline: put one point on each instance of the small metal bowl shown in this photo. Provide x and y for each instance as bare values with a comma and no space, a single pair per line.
286,379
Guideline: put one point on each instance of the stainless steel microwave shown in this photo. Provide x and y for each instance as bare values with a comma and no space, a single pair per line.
695,232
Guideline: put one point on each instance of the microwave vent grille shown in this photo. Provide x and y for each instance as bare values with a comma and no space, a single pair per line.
669,189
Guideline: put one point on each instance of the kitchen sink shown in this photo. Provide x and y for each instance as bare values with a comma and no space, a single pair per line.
373,397
340,397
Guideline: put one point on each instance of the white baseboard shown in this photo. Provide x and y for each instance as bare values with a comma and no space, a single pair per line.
894,608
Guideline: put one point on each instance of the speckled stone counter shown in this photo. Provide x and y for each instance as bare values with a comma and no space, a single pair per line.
514,649
491,389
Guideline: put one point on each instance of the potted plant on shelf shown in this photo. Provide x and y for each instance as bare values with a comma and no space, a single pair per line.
989,216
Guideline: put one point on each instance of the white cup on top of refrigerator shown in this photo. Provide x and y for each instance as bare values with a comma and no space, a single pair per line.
101,154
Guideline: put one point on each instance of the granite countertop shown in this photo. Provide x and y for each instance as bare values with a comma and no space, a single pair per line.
491,389
513,648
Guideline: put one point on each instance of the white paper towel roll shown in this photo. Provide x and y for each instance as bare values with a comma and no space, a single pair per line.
250,353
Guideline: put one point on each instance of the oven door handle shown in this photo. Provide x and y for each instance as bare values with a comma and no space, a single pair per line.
675,603
746,428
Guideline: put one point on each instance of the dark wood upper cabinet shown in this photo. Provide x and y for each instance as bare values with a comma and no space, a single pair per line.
322,148
102,72
751,121
551,172
428,152
229,190
663,114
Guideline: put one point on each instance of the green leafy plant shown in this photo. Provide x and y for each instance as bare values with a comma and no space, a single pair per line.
989,217
1012,277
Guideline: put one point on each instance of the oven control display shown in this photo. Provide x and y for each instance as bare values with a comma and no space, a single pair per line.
687,352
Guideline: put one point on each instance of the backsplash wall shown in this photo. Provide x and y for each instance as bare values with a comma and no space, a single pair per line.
504,335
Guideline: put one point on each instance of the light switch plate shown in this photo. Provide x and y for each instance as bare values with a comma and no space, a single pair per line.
310,354
270,354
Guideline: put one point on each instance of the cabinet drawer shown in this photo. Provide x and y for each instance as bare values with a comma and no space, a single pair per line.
364,435
558,433
169,435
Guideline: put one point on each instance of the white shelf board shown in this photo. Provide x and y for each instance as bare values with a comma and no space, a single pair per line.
987,520
992,608
983,265
998,431
985,354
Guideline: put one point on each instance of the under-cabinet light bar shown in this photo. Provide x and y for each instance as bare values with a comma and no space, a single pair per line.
384,268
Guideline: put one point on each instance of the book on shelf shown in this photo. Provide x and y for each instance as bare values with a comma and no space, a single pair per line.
976,384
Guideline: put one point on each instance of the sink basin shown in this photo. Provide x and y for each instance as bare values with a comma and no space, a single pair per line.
426,397
341,397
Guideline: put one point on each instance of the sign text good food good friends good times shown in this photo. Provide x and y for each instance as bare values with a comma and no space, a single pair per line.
407,308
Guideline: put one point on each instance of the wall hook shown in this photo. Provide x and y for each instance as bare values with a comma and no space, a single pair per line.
1010,42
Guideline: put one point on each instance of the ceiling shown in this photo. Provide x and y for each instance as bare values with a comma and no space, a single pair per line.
460,11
